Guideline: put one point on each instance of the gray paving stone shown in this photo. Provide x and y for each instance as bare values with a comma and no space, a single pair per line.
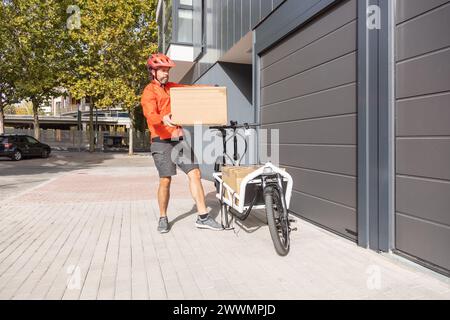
103,218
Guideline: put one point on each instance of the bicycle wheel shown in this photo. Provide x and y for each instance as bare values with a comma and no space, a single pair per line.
277,219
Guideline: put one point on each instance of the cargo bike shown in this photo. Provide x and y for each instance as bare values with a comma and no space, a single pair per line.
265,186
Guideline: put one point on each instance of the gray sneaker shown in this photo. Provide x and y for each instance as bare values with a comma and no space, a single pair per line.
208,223
163,226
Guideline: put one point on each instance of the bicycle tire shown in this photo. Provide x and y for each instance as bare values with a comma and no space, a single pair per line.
279,231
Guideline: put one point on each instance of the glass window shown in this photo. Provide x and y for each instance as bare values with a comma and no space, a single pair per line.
185,25
31,140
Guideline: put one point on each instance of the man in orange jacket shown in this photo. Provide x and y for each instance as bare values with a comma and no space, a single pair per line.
166,136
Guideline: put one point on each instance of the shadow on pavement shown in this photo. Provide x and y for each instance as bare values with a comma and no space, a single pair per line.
249,225
183,216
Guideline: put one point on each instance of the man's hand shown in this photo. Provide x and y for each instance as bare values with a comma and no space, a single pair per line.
168,121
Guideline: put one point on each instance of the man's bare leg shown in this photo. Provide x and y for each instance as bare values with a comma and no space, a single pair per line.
204,220
197,192
164,195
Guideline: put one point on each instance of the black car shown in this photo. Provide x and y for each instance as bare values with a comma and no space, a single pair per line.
17,147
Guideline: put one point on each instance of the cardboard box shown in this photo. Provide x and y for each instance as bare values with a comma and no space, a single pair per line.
233,176
199,105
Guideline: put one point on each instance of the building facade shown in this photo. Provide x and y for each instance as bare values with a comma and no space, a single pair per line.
360,93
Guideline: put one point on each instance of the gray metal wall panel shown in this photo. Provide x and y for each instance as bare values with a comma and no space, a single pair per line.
424,157
313,106
219,25
424,116
424,240
336,217
429,29
255,12
423,130
237,20
284,21
224,24
308,93
336,188
197,40
276,3
266,8
215,32
246,16
424,198
332,20
336,44
334,130
425,75
333,159
329,75
230,24
408,9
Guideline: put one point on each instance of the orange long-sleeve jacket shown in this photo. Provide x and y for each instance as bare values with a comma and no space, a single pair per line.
155,103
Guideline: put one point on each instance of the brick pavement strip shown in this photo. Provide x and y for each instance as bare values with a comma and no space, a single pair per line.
90,233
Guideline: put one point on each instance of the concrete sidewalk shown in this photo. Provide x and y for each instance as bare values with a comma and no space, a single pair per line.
89,232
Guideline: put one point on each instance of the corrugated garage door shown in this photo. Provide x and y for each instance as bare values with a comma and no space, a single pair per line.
308,92
423,130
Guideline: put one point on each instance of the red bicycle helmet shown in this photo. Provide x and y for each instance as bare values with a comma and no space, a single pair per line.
159,60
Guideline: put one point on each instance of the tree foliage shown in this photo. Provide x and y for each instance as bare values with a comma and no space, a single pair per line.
34,49
94,48
110,50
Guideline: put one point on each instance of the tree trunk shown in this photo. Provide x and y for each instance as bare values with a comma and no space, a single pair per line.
91,127
36,118
131,133
2,120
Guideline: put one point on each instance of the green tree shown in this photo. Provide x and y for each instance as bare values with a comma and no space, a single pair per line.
137,38
112,44
8,67
36,47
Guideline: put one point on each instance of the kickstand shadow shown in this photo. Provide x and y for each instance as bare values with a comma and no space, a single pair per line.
249,225
253,223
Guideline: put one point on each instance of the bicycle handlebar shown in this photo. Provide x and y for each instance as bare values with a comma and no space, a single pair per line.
234,125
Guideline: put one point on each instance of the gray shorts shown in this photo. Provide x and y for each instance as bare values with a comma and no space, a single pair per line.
167,159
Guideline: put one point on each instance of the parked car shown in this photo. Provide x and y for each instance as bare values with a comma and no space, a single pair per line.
18,146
